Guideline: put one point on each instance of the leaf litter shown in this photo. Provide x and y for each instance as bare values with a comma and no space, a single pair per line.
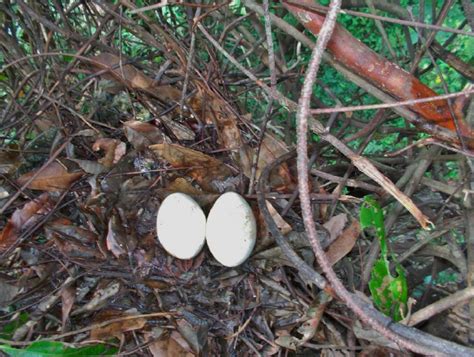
94,224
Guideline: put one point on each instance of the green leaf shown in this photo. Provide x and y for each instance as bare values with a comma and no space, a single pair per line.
53,348
10,328
390,294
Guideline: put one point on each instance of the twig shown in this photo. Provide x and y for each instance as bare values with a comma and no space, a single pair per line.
439,306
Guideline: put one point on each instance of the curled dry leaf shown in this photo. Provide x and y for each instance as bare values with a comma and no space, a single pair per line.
203,168
114,150
54,177
23,218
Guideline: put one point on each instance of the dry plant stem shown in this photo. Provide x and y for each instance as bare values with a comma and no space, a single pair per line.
356,108
189,64
441,305
302,165
381,29
268,112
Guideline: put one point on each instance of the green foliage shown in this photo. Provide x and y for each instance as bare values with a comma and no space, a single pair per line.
52,348
390,294
10,328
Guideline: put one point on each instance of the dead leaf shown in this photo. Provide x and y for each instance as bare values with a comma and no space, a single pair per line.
54,177
169,347
114,150
116,237
129,76
335,225
23,218
284,227
99,298
179,130
68,297
66,229
203,168
9,159
7,292
271,149
142,135
116,329
179,345
343,244
194,336
90,167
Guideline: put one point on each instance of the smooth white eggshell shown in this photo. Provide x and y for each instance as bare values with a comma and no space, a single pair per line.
231,230
181,226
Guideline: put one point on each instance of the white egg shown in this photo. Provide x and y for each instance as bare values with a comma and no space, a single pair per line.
231,230
181,226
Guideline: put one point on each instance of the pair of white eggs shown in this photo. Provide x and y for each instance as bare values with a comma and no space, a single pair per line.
230,229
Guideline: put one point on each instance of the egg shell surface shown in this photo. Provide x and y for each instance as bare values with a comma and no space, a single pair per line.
231,230
181,226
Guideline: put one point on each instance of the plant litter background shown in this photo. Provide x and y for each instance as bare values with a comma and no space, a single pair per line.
108,107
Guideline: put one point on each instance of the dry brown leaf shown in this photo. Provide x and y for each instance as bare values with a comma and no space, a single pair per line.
159,348
129,76
116,237
179,346
203,168
343,244
53,177
282,225
23,218
73,249
104,291
116,329
90,167
68,297
335,225
7,293
9,159
65,228
142,135
114,150
271,149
